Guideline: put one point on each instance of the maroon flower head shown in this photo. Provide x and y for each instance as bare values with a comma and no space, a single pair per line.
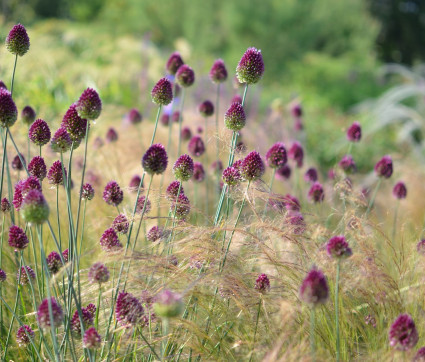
89,105
92,339
206,108
295,221
17,163
121,224
3,276
276,156
87,318
174,62
109,240
128,309
98,273
111,135
173,189
400,190
236,99
5,205
22,188
196,146
134,116
135,183
186,134
165,119
24,275
24,335
199,130
181,207
55,174
347,164
54,262
311,175
262,284
183,168
75,125
316,193
218,72
17,238
235,118
17,41
354,132
65,255
39,132
252,167
141,205
43,313
420,247
231,176
168,304
403,334
185,76
87,192
28,115
296,153
61,141
314,288
112,194
155,233
155,159
291,203
8,110
37,168
297,110
198,172
337,247
3,86
420,355
283,173
162,92
251,67
384,167
175,117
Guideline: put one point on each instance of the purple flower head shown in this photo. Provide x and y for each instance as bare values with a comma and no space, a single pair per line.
87,318
196,146
98,273
155,159
198,172
295,220
262,284
235,118
297,110
3,276
141,205
291,203
17,238
89,105
39,132
174,62
8,110
154,234
65,255
87,192
199,129
354,132
420,247
185,76
337,247
218,72
17,163
24,335
135,183
283,173
162,92
75,125
61,141
112,194
55,174
252,167
134,116
384,167
24,275
296,153
314,288
236,99
231,176
311,175
165,119
111,135
173,189
403,334
37,168
316,193
175,117
92,339
347,164
3,86
183,168
186,134
22,188
109,240
420,355
276,156
217,167
181,207
400,190
121,224
206,108
128,309
98,143
43,314
17,41
251,67
5,205
54,262
168,304
28,115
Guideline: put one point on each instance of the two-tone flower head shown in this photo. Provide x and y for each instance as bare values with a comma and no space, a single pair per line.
121,224
337,247
403,334
89,105
134,116
143,205
198,172
92,339
173,190
5,205
37,168
109,240
185,76
128,309
17,238
155,159
354,132
252,166
24,275
54,262
168,304
24,335
155,233
18,41
181,207
61,141
16,163
55,174
162,92
316,192
311,175
347,164
276,156
206,108
196,146
174,62
231,176
218,72
183,168
87,192
296,153
22,188
235,118
8,110
283,173
262,284
251,67
134,184
112,194
39,132
314,289
3,276
384,167
186,134
98,273
74,124
400,190
28,115
43,314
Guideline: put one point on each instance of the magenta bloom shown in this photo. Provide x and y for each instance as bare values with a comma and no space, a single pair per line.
37,168
24,335
65,255
384,167
168,304
296,153
252,167
111,135
3,86
128,309
135,183
18,41
196,146
297,110
186,134
39,132
175,117
17,163
198,172
24,275
400,190
311,175
75,125
251,67
28,115
141,206
112,194
155,233
87,317
420,247
92,339
403,334
162,92
218,72
109,240
134,116
22,188
234,118
174,62
181,207
17,238
291,203
89,105
347,164
5,205
8,110
61,141
314,288
3,276
206,108
121,224
354,132
236,99
98,273
262,284
155,159
295,221
54,262
231,176
185,76
173,189
420,355
283,173
183,168
276,156
43,315
316,193
165,119
55,174
337,247
87,192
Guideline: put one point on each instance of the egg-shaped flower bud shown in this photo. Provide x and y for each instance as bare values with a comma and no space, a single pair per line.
384,167
337,247
231,176
174,62
165,119
316,193
235,118
311,175
400,190
28,115
22,188
198,172
354,132
403,334
55,174
252,167
173,190
154,234
128,309
61,141
24,336
134,184
5,205
98,273
206,108
75,125
262,284
175,117
17,238
3,276
186,134
185,76
18,41
89,105
112,194
276,156
162,92
24,275
296,153
109,240
314,288
8,110
134,116
155,159
251,67
34,209
183,168
168,304
143,205
17,164
111,135
283,173
87,192
196,146
236,99
218,72
347,164
92,339
297,110
181,207
43,313
39,132
121,224
54,262
37,168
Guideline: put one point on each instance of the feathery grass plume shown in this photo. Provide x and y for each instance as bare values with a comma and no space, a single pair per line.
186,134
155,233
75,125
384,167
24,335
155,159
347,164
141,204
8,110
37,168
218,72
39,132
198,172
168,304
18,41
231,176
17,238
54,262
28,115
43,316
112,194
89,105
87,317
296,153
162,92
403,334
98,273
55,174
92,339
16,163
234,118
165,119
181,207
400,190
196,146
354,132
173,189
5,205
183,168
121,224
134,116
61,141
3,276
128,309
24,275
250,68
262,283
206,108
111,135
316,192
87,192
185,76
174,62
276,156
283,173
420,355
252,166
109,240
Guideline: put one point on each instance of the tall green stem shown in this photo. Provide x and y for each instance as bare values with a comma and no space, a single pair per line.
206,175
256,326
395,221
13,75
217,140
337,311
156,124
180,122
312,334
372,200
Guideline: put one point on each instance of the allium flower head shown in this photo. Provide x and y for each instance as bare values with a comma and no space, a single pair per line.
24,275
283,173
87,319
3,86
236,99
186,134
173,189
400,190
295,221
420,247
174,62
65,255
75,125
22,188
314,288
28,115
17,163
231,176
111,135
24,335
155,159
185,76
18,41
165,119
347,164
297,110
121,224
384,167
134,116
39,132
3,276
61,141
92,339
5,205
251,67
196,146
337,247
175,117
181,207
291,203
89,105
296,153
235,118
154,234
141,205
135,183
276,156
354,132
98,273
403,334
316,193
8,110
109,240
311,175
37,168
54,262
206,108
262,284
112,194
183,168
252,167
162,92
168,304
198,172
87,192
128,309
55,174
17,238
218,72
420,355
43,315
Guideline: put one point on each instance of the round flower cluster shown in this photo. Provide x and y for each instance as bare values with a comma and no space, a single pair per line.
8,110
43,314
185,76
87,192
196,146
183,168
314,288
121,224
141,208
251,66
98,273
234,118
24,275
24,335
128,309
18,41
174,62
337,247
109,240
252,166
112,194
231,176
54,262
89,105
155,233
218,72
37,168
75,125
39,132
262,284
61,141
276,156
155,159
162,92
206,108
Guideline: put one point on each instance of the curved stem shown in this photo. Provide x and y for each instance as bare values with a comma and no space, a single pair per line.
156,124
